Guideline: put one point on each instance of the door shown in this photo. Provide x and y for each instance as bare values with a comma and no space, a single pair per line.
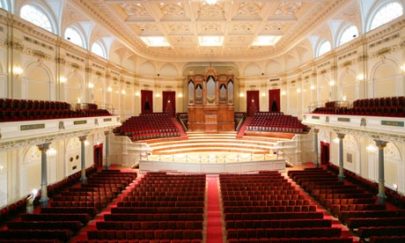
146,101
98,156
252,102
274,100
169,102
325,153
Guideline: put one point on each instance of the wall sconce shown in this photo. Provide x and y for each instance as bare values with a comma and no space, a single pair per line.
241,94
90,85
332,83
86,143
137,93
157,95
17,70
336,140
263,94
283,93
180,95
79,100
109,89
51,152
371,148
123,92
312,87
62,79
403,68
360,77
344,98
298,90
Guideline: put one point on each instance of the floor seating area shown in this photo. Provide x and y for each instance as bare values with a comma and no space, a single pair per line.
22,110
353,205
67,211
161,208
384,106
148,126
276,122
265,207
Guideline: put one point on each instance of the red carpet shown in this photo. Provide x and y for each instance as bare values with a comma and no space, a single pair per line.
242,129
214,217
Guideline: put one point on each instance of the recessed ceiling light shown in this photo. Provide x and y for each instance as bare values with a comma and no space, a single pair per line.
155,41
266,40
210,40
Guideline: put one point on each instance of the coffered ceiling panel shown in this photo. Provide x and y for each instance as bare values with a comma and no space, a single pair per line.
238,22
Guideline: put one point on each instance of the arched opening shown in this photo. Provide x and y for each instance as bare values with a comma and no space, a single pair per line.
37,16
37,83
385,14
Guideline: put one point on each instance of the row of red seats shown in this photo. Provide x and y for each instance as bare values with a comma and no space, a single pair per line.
16,104
366,217
276,123
161,207
60,223
247,221
149,126
384,106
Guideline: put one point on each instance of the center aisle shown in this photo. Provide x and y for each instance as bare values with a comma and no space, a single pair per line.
214,217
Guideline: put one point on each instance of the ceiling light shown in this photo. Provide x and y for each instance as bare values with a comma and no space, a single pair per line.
211,40
155,41
211,2
266,40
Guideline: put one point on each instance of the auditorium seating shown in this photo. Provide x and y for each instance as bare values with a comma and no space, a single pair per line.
148,126
67,214
265,207
276,122
354,205
22,110
385,106
161,208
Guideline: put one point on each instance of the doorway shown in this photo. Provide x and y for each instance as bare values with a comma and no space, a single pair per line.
98,156
146,101
169,102
274,100
252,102
325,153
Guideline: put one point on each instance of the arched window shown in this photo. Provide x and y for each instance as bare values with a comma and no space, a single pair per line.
348,34
97,49
385,14
74,36
324,47
36,16
4,4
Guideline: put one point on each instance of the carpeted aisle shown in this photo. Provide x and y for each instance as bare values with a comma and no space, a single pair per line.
214,216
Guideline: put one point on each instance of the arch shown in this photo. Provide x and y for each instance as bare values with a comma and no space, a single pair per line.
37,82
386,79
347,34
40,15
323,47
392,166
252,69
75,35
383,13
230,86
147,69
168,70
99,49
74,87
6,5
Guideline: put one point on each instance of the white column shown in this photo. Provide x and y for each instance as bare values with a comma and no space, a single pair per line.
107,150
44,177
316,131
341,168
381,179
83,177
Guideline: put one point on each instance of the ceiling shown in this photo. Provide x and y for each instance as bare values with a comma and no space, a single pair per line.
239,22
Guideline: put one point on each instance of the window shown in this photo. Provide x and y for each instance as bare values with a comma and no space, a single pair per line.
348,34
36,16
385,14
97,49
324,47
74,36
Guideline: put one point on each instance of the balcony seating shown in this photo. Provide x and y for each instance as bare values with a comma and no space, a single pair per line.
161,208
385,106
354,205
22,110
276,122
251,217
149,126
66,213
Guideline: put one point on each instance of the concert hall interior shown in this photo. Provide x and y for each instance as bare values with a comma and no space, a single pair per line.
202,121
